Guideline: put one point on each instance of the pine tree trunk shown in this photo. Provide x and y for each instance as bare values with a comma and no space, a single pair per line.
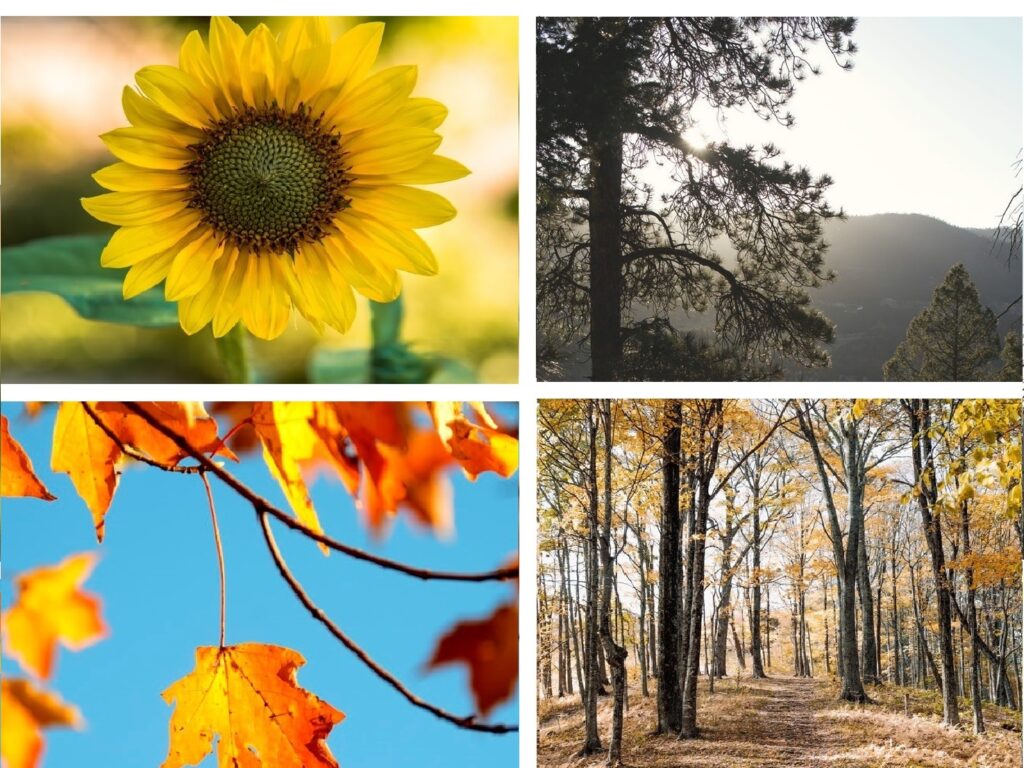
605,220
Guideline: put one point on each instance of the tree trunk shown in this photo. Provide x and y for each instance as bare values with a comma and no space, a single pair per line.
868,653
756,664
972,619
669,702
927,494
710,435
615,653
592,740
605,246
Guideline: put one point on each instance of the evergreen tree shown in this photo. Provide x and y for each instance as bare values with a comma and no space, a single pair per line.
953,339
616,95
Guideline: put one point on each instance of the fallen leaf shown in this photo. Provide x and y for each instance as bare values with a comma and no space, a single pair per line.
248,695
85,453
17,478
490,648
26,712
50,608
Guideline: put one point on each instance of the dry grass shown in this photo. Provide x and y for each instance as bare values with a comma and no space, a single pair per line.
785,722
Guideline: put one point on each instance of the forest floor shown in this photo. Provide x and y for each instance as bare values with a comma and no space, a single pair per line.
788,722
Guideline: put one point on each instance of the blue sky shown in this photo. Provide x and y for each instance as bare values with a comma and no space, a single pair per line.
927,121
158,580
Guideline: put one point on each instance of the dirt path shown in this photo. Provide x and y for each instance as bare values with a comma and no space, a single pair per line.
780,722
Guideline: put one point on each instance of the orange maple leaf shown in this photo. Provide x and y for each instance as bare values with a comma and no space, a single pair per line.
189,420
17,478
89,455
51,608
480,445
490,648
26,712
248,695
416,482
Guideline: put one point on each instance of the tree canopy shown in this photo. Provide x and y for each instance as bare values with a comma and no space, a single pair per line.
615,96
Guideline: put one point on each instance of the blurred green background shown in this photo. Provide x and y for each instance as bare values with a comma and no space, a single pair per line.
62,80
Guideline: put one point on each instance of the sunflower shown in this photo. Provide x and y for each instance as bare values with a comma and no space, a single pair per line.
268,172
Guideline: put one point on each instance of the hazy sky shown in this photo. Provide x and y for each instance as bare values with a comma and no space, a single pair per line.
928,120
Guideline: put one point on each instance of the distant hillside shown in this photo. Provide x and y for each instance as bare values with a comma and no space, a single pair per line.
887,267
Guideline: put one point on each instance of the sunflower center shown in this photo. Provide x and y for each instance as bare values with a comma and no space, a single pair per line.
267,179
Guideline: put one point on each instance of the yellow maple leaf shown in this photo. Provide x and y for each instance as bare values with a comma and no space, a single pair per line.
248,695
26,712
51,608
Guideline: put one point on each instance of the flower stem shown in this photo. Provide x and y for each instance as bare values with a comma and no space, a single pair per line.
233,353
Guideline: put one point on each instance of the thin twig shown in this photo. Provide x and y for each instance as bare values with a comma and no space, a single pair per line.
220,558
262,505
132,452
468,722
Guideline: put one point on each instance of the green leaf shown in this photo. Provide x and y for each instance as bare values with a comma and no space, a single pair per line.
70,267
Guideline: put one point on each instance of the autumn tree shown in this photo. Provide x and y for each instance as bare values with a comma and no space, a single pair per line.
616,95
953,339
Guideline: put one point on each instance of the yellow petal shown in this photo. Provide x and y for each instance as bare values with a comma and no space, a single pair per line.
354,53
177,93
420,113
259,62
192,267
226,41
374,100
146,149
228,309
133,209
195,312
320,291
194,59
144,275
143,113
372,278
265,305
389,150
402,206
123,177
130,245
400,248
434,170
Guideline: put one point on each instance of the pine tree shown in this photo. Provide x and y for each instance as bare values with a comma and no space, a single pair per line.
616,95
953,339
1011,357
